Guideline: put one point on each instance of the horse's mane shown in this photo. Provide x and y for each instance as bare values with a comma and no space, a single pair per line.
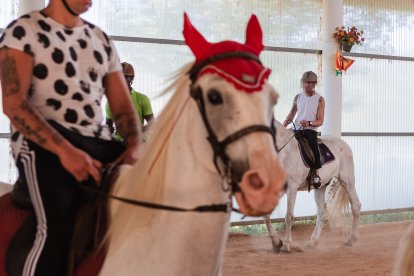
146,178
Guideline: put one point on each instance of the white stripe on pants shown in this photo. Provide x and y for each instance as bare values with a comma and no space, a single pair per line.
28,160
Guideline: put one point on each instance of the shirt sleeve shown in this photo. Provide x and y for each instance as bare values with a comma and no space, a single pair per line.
108,111
114,61
19,35
146,106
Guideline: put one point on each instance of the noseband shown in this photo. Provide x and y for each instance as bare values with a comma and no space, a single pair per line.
219,147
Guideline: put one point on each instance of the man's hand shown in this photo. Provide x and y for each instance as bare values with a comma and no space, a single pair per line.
129,156
304,123
79,164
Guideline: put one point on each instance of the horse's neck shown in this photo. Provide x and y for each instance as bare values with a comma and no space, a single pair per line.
191,183
199,239
179,243
284,139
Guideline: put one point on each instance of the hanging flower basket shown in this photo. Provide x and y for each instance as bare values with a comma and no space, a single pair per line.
346,47
348,37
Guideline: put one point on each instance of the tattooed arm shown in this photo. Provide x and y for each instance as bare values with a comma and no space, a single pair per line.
124,115
16,80
16,77
292,112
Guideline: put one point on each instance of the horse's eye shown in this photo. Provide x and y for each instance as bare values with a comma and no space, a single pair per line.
214,97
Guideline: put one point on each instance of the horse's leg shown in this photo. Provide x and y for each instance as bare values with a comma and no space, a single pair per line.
356,208
288,244
277,243
321,215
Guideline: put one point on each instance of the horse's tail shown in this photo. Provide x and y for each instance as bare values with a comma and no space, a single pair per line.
404,265
337,205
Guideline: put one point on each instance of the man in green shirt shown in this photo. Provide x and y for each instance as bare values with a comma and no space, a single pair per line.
140,102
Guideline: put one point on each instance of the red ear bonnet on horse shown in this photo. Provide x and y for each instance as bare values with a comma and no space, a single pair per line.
244,74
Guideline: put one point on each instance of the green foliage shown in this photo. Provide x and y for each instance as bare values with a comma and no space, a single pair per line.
260,229
390,217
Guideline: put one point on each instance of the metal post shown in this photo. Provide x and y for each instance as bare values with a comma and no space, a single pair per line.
332,16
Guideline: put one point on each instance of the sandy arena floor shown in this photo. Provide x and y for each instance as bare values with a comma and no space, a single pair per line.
372,255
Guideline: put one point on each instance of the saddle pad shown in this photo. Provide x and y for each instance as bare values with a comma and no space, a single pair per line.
326,155
12,217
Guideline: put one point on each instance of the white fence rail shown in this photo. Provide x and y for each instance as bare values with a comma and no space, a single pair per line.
384,168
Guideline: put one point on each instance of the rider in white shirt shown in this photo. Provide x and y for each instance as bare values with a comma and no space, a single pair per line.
309,108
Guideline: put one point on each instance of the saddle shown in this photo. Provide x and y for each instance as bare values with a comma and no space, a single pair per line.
308,158
306,153
90,227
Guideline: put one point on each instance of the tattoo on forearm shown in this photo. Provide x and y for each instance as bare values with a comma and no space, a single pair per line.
28,131
35,133
24,106
126,125
9,76
57,139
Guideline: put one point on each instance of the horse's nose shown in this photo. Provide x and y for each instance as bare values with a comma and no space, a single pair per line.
256,181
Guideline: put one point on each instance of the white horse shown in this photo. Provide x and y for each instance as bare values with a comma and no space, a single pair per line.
176,168
404,265
342,193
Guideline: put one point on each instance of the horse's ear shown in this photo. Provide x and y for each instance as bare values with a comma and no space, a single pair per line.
193,38
254,35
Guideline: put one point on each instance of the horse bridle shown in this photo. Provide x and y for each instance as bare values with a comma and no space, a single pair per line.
219,147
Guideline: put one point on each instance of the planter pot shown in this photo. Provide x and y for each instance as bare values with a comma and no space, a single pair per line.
346,47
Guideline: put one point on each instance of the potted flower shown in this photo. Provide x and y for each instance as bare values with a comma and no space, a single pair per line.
348,37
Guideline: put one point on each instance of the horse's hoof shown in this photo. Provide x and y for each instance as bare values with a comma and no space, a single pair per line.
277,246
311,244
276,250
286,248
348,242
296,247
